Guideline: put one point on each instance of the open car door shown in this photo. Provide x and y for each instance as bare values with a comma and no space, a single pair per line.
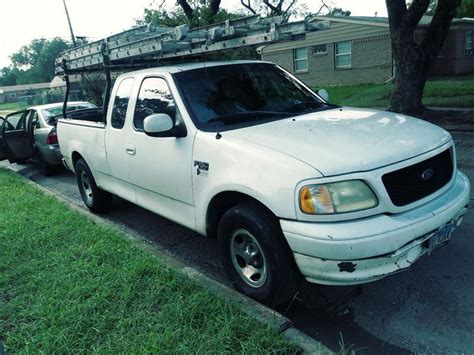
3,155
16,142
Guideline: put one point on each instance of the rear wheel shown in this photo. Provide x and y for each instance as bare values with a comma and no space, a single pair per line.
255,254
96,199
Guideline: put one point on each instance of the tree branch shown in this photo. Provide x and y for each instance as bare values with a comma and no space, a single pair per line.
414,14
323,5
274,9
439,27
188,11
214,6
290,6
396,10
248,6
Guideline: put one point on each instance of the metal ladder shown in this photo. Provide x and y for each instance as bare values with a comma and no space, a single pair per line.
149,45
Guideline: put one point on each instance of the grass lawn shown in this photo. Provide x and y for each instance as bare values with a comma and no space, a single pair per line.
12,106
439,92
70,285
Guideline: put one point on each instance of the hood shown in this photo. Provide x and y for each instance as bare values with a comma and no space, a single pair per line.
346,140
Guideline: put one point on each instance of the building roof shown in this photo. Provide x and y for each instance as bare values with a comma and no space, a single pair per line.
24,87
383,21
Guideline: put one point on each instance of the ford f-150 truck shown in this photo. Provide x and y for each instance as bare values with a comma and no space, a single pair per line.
289,184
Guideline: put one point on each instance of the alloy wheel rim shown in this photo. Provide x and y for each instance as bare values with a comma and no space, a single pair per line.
248,258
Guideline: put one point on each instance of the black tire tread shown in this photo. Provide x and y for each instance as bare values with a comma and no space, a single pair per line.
285,277
102,200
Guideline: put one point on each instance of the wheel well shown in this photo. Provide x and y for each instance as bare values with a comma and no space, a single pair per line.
75,157
220,204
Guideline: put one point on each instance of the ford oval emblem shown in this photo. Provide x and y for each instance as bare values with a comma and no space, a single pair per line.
427,174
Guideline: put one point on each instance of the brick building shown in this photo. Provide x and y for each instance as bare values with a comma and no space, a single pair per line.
356,50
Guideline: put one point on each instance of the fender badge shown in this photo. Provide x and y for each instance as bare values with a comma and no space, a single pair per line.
427,174
201,167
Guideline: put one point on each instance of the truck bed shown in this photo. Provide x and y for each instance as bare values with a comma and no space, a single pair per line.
82,136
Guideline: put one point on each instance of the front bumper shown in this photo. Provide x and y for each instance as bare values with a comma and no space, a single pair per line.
364,250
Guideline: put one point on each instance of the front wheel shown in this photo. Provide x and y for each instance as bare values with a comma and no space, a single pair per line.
96,199
255,254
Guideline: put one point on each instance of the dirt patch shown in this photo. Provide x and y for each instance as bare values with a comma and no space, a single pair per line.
448,117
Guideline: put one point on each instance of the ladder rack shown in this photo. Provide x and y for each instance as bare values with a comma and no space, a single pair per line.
149,45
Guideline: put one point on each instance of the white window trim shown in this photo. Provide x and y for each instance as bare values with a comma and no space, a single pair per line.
320,53
300,60
341,54
468,51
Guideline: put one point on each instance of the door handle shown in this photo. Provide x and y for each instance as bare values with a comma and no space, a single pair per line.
130,149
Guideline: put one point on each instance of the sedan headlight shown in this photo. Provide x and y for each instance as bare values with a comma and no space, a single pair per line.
337,197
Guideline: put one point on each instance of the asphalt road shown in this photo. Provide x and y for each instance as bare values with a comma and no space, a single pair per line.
428,309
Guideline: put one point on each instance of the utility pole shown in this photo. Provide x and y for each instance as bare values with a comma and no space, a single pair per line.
70,25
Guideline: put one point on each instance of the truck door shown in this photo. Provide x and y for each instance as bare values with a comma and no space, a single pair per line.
16,142
118,130
161,168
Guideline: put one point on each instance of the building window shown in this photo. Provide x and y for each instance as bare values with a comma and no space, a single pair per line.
468,40
343,54
301,59
320,49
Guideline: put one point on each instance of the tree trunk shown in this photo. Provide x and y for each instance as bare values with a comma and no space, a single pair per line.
413,60
410,76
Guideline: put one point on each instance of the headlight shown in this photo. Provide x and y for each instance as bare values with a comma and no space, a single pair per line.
337,197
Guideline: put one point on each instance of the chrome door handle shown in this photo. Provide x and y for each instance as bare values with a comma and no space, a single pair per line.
130,149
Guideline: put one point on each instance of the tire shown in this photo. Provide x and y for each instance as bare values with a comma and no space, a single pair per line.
96,199
45,168
250,239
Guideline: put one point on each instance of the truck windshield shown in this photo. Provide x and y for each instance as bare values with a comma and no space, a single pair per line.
242,94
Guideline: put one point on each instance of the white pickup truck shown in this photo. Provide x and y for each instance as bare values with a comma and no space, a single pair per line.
289,184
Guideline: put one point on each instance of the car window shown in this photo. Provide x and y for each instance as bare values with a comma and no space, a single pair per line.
34,119
119,110
154,97
16,121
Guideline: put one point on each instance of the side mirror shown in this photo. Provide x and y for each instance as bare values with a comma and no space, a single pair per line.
324,94
157,123
162,125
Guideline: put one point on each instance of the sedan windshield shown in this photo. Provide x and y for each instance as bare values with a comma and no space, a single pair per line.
241,94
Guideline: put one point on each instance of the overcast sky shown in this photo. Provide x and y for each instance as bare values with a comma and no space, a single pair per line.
25,20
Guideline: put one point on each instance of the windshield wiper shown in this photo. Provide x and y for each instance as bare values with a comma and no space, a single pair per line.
305,105
247,116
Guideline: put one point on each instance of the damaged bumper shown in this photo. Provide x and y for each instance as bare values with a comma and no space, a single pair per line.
360,251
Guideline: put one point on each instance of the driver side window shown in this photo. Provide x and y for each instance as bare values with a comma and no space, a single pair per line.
154,97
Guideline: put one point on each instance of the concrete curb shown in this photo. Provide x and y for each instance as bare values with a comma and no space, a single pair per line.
258,311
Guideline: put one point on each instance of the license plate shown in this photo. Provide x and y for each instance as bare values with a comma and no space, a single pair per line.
441,237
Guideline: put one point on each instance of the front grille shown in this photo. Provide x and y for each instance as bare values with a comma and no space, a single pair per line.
414,182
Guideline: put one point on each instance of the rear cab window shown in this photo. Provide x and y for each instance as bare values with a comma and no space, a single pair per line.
121,100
